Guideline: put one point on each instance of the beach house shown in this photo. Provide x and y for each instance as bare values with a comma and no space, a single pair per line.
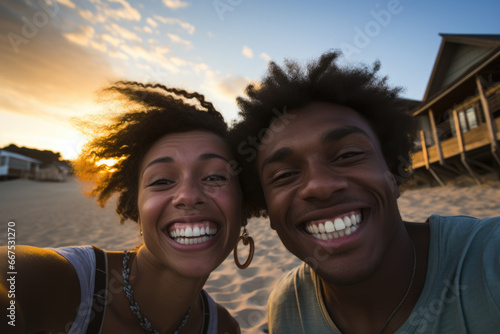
14,165
459,116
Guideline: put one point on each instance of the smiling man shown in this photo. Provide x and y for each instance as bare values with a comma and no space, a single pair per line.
325,151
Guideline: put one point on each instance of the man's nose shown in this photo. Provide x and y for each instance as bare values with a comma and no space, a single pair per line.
320,182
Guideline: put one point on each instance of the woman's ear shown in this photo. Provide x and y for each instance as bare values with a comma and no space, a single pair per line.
139,225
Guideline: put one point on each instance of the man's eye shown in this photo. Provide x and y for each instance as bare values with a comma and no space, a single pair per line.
216,179
349,155
283,176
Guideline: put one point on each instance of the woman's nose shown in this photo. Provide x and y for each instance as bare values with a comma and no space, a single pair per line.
189,195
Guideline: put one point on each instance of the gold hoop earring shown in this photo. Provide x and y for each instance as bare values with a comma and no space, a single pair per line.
246,240
140,232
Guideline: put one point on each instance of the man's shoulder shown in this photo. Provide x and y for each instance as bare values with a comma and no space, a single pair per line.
295,304
293,283
463,225
298,275
463,219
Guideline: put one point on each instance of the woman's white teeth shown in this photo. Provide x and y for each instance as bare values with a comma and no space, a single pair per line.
193,241
194,235
336,229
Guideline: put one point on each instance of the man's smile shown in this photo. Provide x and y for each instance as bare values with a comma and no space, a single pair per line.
335,227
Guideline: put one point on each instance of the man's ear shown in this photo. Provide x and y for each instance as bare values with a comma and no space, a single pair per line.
393,185
270,221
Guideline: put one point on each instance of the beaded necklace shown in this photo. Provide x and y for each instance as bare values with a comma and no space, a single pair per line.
127,288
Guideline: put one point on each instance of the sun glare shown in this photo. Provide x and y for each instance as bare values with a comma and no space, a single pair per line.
107,162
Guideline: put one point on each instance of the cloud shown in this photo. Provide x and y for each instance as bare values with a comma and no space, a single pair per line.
162,49
152,22
155,57
179,61
197,68
179,40
118,55
144,67
175,4
98,45
50,74
265,56
145,29
102,12
111,40
189,28
93,18
115,29
127,12
232,86
81,38
67,3
247,52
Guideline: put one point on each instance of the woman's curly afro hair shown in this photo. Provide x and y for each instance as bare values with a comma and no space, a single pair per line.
140,115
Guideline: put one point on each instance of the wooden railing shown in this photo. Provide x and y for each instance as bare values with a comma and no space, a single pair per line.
472,139
475,138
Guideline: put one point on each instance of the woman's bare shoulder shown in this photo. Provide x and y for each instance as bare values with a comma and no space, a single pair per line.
45,284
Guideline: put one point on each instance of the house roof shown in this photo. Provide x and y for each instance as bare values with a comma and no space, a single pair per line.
457,54
18,156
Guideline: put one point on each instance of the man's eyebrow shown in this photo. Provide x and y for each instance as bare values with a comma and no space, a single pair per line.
277,155
337,134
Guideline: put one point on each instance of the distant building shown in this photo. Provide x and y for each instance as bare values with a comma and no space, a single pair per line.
14,165
56,171
459,117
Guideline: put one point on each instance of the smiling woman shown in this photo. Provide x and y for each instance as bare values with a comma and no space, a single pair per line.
172,166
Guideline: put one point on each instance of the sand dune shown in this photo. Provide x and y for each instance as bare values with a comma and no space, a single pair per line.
57,214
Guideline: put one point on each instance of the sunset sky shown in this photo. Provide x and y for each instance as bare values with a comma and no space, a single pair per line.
54,55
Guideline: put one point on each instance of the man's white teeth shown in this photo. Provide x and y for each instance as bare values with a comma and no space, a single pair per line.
193,236
336,229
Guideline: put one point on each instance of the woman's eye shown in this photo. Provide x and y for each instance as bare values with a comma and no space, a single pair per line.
160,182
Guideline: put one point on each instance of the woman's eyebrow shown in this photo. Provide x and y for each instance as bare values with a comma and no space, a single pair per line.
168,159
208,156
165,159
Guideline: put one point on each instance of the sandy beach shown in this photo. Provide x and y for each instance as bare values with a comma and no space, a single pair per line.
58,214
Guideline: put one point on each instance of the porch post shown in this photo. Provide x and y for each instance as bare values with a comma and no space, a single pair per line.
461,147
490,122
426,159
436,137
